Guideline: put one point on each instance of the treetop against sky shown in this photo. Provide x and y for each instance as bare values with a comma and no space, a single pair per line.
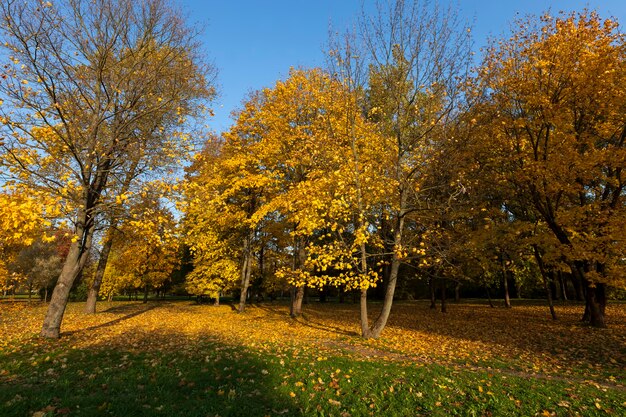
255,43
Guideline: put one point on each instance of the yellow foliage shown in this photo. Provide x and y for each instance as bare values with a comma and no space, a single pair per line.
550,133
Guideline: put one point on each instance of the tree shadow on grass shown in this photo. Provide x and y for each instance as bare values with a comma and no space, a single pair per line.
305,320
523,330
512,335
198,379
131,307
133,310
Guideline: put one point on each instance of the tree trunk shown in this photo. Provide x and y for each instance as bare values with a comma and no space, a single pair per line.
444,306
145,294
489,298
298,292
544,276
518,288
578,287
261,265
92,296
381,321
507,297
296,303
596,303
595,295
457,292
74,263
433,295
555,286
365,329
505,280
245,284
550,302
246,270
563,284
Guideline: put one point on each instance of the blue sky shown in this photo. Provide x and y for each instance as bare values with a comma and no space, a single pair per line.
254,43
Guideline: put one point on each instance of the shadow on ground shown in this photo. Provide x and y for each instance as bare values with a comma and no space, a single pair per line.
202,379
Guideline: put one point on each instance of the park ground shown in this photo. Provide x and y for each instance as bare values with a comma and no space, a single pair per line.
183,359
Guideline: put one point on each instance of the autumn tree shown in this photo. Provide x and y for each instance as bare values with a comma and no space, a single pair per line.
417,55
89,84
147,252
552,113
284,179
316,188
222,192
24,217
40,265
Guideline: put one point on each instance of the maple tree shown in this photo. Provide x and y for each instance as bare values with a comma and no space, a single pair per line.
89,87
553,125
303,152
220,199
283,176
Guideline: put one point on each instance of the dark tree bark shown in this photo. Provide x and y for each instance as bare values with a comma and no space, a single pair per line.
563,284
595,296
505,280
246,270
489,298
578,287
444,306
546,280
433,295
595,304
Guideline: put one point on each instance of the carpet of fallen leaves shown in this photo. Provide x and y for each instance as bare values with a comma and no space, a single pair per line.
521,341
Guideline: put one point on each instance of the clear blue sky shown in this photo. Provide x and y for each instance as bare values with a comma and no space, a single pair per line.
254,43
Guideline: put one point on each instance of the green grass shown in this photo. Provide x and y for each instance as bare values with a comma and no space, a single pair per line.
210,379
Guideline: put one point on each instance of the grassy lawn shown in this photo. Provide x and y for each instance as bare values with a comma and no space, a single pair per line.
182,359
